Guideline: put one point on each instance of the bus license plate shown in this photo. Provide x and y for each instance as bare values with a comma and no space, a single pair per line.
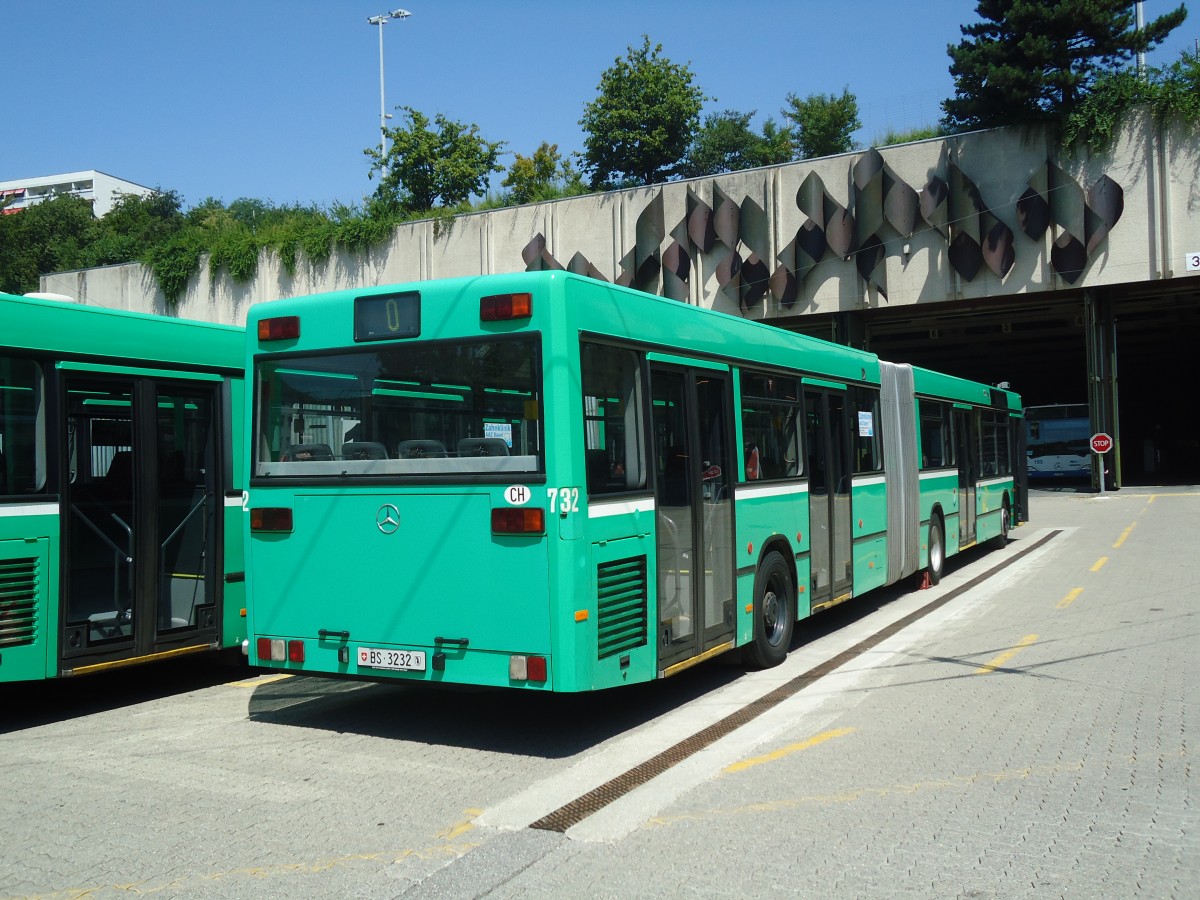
395,660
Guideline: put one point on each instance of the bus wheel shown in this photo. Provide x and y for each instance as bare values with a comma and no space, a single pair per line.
937,551
1005,525
774,612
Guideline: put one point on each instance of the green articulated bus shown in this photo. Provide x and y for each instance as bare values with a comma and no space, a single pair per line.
545,481
121,520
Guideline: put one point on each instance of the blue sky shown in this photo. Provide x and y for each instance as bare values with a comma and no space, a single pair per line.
276,100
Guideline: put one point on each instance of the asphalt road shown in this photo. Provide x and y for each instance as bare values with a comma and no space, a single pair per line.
1023,729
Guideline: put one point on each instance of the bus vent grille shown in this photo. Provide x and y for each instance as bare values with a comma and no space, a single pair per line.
621,605
19,588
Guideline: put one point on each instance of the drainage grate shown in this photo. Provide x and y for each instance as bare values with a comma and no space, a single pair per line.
594,800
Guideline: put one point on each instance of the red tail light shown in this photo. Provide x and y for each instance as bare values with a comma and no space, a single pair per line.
527,668
503,307
296,651
271,649
270,518
279,328
518,520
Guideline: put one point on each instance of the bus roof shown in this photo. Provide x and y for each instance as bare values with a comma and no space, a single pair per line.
87,331
951,387
583,304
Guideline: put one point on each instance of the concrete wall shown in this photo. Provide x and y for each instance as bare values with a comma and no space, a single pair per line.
735,242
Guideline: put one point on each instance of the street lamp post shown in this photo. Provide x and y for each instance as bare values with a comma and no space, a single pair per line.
381,20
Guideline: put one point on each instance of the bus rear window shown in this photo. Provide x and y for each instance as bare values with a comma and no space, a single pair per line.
432,409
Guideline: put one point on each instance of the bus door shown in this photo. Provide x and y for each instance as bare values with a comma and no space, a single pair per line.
694,498
965,453
140,529
830,535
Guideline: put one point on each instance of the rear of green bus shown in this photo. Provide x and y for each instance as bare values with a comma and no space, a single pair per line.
400,522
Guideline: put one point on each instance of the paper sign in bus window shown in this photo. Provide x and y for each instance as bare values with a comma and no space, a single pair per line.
866,424
502,430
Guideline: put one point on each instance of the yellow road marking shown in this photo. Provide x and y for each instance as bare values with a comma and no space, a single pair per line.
1124,534
460,828
1154,497
1070,598
183,884
262,679
1004,657
790,749
1100,564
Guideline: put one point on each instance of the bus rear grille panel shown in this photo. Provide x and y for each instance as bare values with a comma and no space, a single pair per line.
19,589
621,605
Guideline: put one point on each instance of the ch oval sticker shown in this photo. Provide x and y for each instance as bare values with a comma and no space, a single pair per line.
517,495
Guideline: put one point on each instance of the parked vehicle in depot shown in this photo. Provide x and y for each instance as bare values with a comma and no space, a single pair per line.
545,481
121,527
1056,441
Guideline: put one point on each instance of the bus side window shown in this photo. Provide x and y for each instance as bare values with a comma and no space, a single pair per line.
933,435
614,446
22,427
770,412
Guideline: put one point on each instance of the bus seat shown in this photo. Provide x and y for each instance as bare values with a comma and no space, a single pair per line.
307,453
421,449
363,450
482,447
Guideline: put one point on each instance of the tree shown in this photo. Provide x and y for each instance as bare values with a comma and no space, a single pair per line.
134,223
642,120
777,145
822,124
1033,61
543,176
426,167
49,236
1170,94
725,142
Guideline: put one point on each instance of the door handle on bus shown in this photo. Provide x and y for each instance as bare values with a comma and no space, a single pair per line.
326,633
462,642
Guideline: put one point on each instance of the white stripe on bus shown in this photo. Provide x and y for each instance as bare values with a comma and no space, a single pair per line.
29,509
1003,479
745,492
873,479
619,507
938,473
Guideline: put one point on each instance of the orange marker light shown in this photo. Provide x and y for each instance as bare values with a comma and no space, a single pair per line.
279,328
505,307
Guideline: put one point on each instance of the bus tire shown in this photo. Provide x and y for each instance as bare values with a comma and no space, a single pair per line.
1005,525
774,612
937,550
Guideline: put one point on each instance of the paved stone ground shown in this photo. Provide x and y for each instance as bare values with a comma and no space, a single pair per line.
1037,744
1031,738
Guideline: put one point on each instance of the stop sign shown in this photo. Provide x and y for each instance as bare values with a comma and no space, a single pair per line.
1101,442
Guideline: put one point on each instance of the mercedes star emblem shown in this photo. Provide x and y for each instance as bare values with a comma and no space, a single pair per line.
387,519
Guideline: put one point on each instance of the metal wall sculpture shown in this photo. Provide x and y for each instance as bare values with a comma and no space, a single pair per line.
974,235
879,197
1053,197
734,237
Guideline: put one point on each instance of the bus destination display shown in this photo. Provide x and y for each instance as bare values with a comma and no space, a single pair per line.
385,317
